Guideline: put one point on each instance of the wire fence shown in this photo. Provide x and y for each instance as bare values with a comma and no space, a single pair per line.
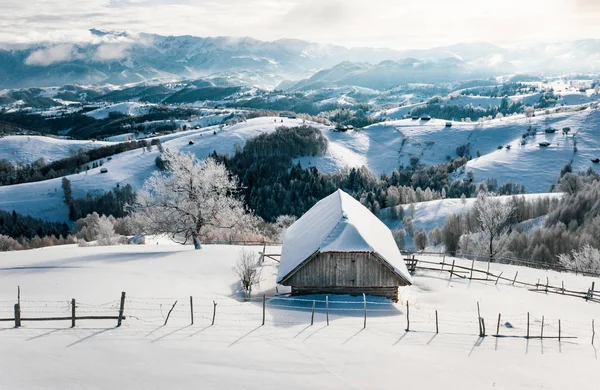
344,311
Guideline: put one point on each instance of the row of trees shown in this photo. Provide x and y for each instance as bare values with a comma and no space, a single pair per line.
109,203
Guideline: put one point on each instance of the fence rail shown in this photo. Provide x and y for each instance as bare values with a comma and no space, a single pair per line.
72,306
505,260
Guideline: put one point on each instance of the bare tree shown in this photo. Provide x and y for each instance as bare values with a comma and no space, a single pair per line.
248,270
494,218
188,197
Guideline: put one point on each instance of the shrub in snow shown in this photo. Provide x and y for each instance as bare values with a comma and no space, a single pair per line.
248,270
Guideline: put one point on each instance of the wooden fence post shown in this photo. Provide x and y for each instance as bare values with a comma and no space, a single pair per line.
482,327
592,290
19,295
527,324
121,309
407,317
365,304
312,315
437,329
488,268
452,269
264,308
169,314
542,329
547,283
327,308
498,326
472,265
563,287
73,313
515,279
192,309
559,330
17,315
499,276
593,332
479,319
214,313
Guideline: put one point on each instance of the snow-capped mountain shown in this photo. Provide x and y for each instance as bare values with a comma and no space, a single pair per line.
121,58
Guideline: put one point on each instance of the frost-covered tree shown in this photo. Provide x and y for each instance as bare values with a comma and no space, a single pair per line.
421,240
494,217
106,232
189,196
585,260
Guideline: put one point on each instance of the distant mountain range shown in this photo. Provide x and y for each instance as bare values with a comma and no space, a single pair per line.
120,58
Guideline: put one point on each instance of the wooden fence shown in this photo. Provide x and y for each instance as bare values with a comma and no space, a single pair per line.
471,273
18,317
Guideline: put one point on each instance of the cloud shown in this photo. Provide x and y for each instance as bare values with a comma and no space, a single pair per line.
411,24
52,55
111,52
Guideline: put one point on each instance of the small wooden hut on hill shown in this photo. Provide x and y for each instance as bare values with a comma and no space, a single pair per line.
340,247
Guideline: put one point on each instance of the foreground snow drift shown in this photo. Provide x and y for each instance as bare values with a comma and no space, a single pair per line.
238,352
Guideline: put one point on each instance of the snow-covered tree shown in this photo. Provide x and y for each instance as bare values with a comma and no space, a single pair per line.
494,217
463,199
189,196
421,240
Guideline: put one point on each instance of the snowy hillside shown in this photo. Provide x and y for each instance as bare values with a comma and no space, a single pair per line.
45,199
432,214
128,108
382,147
29,148
286,352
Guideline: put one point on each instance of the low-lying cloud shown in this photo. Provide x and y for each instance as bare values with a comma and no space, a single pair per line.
52,55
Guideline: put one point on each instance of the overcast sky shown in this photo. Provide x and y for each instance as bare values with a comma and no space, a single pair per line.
398,24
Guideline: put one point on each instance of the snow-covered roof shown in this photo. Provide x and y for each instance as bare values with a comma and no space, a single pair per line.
339,223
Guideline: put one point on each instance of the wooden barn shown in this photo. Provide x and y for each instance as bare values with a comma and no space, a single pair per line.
340,247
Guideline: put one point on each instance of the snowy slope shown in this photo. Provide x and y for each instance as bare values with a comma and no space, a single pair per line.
432,214
534,166
286,352
29,148
127,108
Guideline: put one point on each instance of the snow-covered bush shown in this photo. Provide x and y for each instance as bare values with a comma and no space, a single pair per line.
585,260
435,236
105,232
248,270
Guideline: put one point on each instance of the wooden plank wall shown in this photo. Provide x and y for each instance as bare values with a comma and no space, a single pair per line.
345,269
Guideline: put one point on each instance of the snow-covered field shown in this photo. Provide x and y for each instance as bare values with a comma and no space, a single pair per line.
237,352
29,148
